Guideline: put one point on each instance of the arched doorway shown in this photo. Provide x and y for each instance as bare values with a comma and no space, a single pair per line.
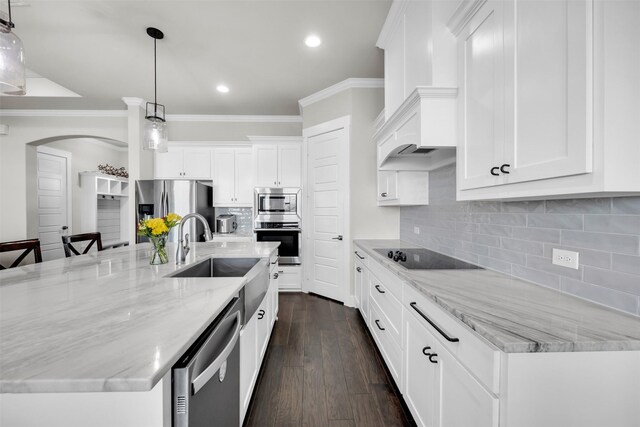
55,204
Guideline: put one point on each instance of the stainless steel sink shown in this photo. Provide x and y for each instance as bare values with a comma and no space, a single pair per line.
218,267
254,270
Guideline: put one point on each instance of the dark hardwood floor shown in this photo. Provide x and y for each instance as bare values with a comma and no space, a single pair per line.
322,369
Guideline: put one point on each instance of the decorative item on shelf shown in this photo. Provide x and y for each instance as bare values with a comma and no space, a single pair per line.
157,230
12,68
112,170
155,128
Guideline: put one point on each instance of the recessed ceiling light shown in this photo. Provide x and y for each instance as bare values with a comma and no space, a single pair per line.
222,89
313,41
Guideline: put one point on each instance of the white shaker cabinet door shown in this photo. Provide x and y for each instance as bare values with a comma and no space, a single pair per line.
169,165
197,163
289,165
223,180
248,362
266,165
549,85
243,176
482,98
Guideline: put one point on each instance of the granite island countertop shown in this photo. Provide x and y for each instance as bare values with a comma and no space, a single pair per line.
107,321
514,315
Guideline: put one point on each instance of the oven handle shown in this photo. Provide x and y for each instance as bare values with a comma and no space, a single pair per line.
277,229
215,366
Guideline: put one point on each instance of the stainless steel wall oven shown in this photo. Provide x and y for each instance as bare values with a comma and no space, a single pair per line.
277,219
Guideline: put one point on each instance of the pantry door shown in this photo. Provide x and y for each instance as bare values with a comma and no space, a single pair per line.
327,206
53,195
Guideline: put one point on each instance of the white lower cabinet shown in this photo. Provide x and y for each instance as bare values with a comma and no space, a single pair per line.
437,389
450,376
290,278
254,340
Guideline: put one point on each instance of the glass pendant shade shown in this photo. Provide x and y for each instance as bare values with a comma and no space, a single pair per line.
155,135
12,68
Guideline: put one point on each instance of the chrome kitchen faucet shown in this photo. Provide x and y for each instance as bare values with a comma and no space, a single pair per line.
181,253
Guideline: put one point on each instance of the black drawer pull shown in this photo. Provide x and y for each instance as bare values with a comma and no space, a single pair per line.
261,314
414,305
432,358
504,166
358,269
383,194
425,351
358,255
493,171
378,325
378,289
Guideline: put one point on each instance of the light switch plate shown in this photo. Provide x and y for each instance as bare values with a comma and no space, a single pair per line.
565,258
416,230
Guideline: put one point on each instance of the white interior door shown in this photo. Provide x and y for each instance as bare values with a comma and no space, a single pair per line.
53,206
327,162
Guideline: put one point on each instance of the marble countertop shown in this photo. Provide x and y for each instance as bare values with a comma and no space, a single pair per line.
107,321
514,315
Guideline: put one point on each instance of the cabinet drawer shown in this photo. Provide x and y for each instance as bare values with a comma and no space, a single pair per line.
391,352
361,256
392,282
390,307
473,352
289,277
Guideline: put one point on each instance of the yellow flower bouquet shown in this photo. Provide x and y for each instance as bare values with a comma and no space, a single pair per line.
157,230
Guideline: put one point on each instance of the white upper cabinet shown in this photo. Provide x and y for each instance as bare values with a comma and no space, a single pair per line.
277,164
183,163
546,98
233,176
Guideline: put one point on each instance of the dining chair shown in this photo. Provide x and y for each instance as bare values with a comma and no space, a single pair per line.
22,245
92,238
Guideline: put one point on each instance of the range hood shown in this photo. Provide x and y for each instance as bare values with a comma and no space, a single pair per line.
421,134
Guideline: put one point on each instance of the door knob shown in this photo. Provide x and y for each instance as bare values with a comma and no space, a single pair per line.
337,238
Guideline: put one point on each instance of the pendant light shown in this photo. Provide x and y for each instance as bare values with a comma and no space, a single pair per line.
155,128
12,69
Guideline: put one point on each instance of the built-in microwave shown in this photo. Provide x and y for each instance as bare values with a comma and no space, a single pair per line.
276,205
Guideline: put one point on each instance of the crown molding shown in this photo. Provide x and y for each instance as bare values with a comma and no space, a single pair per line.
63,113
352,83
395,18
463,14
275,139
133,102
232,118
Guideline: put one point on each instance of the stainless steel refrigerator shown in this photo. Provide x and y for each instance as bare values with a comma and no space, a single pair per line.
157,198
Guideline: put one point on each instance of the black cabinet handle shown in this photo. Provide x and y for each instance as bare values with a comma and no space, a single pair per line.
261,314
505,166
414,305
379,290
493,171
358,269
276,275
378,325
431,356
358,255
383,194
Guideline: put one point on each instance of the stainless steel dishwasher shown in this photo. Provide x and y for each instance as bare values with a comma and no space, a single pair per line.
206,381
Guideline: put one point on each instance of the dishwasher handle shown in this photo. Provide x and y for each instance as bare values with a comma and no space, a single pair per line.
210,370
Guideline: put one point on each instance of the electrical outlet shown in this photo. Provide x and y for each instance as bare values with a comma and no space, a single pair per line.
416,230
565,258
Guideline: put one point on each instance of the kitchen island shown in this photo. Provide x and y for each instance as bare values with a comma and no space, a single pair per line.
90,330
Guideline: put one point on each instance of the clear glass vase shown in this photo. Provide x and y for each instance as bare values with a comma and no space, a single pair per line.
159,251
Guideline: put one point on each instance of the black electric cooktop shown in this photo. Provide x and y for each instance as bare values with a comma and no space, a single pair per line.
424,259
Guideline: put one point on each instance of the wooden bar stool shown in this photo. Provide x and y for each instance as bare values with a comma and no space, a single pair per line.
92,238
22,245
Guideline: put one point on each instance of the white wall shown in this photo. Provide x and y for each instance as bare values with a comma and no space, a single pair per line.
87,154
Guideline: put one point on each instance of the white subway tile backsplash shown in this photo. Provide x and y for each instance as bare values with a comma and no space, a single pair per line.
517,238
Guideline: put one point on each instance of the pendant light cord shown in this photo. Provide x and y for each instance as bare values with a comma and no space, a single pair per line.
155,80
9,7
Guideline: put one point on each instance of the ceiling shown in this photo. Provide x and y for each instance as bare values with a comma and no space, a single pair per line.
100,50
